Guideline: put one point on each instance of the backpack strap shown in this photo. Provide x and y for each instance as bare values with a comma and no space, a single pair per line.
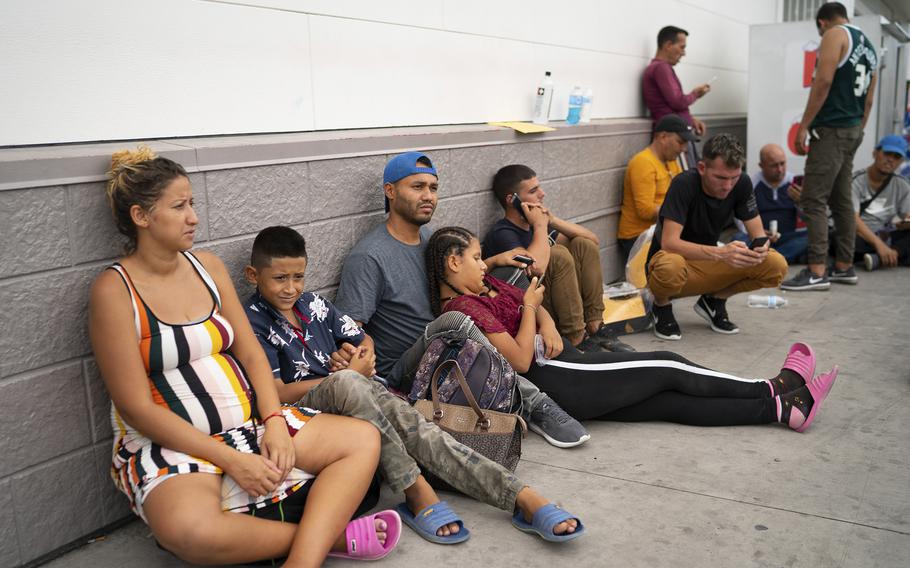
865,204
482,418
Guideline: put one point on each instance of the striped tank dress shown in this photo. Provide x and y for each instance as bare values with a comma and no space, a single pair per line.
193,374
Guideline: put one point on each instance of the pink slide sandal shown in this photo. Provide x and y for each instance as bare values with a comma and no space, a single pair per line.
801,360
360,536
819,387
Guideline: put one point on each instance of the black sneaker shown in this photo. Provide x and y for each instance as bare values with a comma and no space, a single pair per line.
608,340
714,311
805,280
871,261
847,276
589,345
665,326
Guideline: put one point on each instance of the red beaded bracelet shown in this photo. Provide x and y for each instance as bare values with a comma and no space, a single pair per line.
273,415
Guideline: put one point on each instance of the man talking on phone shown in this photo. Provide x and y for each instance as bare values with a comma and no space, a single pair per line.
839,103
685,259
573,292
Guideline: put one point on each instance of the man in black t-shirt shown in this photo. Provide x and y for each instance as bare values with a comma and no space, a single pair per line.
685,259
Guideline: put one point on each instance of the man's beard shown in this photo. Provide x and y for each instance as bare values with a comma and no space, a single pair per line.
414,217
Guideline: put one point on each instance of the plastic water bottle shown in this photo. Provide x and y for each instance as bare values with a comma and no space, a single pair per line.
540,351
586,101
575,102
762,301
543,99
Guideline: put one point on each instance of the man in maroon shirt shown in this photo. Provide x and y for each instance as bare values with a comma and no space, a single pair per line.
661,87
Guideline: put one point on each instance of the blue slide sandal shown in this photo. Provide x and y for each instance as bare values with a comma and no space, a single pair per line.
544,520
427,522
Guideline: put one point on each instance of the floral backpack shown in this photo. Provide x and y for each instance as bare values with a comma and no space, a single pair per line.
489,376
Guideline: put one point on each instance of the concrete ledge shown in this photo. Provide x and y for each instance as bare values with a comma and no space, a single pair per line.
41,166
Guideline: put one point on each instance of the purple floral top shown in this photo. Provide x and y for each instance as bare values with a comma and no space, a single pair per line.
492,315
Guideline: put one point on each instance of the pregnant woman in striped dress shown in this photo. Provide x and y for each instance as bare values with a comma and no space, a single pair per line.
202,449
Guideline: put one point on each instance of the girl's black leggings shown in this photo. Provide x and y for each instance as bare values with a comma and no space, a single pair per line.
660,385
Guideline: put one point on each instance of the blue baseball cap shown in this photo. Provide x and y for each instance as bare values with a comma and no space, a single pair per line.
404,165
893,143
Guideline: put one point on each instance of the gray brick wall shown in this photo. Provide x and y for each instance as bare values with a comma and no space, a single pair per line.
57,235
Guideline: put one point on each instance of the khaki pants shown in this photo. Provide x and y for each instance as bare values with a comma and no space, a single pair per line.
573,292
672,276
829,171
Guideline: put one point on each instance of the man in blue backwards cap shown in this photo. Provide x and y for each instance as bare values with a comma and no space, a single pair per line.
384,287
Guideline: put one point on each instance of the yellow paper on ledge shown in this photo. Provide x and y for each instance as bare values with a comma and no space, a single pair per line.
523,127
622,309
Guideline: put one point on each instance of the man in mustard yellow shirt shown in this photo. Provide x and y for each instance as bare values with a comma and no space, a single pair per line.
648,177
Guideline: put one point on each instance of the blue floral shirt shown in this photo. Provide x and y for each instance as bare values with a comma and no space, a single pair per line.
301,353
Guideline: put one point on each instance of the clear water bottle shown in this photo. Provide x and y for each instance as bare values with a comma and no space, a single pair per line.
540,351
586,101
772,227
764,301
576,99
543,99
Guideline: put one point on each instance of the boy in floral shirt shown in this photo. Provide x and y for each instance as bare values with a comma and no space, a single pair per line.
307,340
303,335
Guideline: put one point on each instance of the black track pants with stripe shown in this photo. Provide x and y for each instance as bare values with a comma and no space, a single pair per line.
660,385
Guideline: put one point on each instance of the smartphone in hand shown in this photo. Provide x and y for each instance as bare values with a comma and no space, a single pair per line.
523,259
758,242
798,180
516,203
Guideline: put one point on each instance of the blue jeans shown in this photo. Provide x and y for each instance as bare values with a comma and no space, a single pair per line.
791,245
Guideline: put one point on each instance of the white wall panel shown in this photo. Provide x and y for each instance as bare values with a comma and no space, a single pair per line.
106,69
714,41
424,13
609,75
744,11
385,75
728,92
567,25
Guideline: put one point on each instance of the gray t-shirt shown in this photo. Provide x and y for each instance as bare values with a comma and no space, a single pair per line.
384,285
893,201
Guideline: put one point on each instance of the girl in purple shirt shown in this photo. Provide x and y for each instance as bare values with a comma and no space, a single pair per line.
627,387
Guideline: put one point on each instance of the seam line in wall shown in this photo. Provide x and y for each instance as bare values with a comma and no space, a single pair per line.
57,457
43,369
88,399
472,34
59,271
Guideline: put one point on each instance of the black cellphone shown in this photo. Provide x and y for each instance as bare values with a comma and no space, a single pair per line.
798,180
516,203
523,259
758,242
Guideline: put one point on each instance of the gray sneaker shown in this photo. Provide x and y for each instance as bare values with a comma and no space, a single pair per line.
847,276
805,280
871,261
556,426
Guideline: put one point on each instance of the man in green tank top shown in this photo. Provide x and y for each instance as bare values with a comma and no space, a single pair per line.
836,113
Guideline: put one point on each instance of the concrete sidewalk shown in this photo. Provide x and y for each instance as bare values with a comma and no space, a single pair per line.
661,494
